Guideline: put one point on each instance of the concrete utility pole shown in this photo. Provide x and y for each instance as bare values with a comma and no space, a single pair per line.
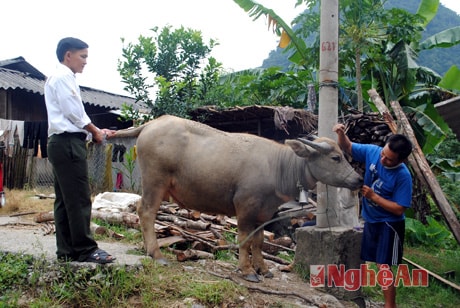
326,215
331,241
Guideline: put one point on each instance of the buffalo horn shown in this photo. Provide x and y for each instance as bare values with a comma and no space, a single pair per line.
322,147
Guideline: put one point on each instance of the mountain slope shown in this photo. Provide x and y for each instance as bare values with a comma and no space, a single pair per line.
439,59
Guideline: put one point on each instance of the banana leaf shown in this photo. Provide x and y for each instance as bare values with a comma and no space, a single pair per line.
451,80
428,9
443,39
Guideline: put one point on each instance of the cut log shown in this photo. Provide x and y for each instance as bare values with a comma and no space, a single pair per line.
185,223
121,218
167,209
218,219
96,229
48,228
280,244
267,234
275,259
195,215
170,240
192,254
44,217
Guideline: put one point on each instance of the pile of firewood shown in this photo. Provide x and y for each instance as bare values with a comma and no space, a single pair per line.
367,128
191,234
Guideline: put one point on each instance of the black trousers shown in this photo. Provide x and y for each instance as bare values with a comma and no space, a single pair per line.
72,208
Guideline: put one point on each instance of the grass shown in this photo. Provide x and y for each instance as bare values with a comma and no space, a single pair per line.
22,201
42,284
437,294
28,282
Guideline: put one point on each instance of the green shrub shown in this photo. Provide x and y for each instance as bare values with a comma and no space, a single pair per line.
433,234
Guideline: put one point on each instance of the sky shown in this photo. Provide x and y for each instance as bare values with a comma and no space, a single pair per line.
32,29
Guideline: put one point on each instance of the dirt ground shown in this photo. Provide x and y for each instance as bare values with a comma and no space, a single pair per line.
285,289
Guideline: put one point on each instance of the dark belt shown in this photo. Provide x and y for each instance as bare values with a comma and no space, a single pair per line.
81,136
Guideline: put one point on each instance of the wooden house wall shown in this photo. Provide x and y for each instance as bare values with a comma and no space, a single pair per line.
27,106
3,103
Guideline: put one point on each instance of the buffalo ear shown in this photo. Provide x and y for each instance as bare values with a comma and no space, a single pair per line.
300,148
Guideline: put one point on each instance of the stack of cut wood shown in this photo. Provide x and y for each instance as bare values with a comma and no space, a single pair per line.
194,235
367,128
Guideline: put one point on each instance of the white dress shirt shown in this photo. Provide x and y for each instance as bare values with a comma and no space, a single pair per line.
64,106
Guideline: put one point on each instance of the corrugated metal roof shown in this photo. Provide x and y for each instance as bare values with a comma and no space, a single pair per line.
104,99
449,110
21,65
12,79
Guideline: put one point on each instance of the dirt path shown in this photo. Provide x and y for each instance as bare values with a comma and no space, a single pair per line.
22,235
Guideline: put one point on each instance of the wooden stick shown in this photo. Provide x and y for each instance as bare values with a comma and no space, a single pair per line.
23,214
432,183
443,280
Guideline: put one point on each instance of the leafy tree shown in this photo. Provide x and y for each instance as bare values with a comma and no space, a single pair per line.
378,49
172,64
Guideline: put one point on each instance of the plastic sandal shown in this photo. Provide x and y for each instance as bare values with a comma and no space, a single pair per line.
100,256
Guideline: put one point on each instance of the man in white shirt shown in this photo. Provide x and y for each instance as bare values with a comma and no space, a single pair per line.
68,127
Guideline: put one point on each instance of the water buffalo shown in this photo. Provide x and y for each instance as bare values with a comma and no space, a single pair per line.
234,174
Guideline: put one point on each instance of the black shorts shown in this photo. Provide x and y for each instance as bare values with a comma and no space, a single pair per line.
383,242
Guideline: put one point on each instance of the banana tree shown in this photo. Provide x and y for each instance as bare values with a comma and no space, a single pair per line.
280,27
418,88
387,43
446,39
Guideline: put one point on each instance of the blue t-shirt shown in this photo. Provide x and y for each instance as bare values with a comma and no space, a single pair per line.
393,184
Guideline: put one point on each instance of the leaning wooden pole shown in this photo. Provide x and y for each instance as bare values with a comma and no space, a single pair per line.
418,162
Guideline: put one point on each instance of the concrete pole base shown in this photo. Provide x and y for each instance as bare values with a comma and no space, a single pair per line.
335,247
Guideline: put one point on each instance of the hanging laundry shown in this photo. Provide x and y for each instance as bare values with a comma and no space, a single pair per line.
36,133
119,182
118,153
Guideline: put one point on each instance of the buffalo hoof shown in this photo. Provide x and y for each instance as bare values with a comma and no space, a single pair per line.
268,275
162,261
252,278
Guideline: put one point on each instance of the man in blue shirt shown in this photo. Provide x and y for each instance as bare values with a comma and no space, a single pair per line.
387,193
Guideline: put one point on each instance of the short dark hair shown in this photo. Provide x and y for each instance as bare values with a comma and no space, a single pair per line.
400,144
69,44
